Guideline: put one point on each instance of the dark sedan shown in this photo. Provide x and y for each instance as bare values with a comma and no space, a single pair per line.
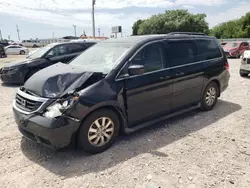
18,72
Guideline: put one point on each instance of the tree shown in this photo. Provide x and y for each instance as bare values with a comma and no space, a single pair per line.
172,21
239,28
136,26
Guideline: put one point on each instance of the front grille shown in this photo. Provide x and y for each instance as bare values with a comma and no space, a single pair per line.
27,104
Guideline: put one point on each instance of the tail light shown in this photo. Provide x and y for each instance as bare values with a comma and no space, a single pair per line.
227,65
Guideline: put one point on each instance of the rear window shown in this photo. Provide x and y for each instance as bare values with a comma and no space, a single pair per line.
207,49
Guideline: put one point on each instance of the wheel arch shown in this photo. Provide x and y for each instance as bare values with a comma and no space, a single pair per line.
215,80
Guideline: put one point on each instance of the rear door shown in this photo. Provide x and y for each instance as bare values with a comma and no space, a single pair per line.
186,71
148,95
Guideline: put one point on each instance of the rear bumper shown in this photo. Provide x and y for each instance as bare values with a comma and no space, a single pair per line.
54,133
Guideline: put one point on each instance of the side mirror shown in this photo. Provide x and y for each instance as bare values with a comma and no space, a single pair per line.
135,70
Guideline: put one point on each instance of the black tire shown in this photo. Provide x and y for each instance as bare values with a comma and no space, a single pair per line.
242,74
22,52
34,46
205,106
83,136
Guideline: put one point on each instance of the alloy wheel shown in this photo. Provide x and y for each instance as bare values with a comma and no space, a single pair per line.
210,96
101,131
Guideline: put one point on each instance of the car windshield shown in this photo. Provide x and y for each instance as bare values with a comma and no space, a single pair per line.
101,57
40,52
231,45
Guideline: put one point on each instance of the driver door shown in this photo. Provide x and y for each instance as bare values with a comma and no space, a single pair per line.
148,95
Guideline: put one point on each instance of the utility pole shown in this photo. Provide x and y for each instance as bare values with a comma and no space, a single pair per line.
1,35
99,31
53,35
18,32
74,29
93,16
9,37
84,33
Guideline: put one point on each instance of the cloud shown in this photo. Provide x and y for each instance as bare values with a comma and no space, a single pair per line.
233,13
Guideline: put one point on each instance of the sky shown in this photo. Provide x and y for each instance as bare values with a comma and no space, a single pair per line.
45,18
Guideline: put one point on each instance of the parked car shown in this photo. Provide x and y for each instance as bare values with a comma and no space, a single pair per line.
119,86
19,71
245,64
2,52
16,50
235,48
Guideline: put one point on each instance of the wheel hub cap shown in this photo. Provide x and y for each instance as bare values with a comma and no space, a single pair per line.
101,131
210,96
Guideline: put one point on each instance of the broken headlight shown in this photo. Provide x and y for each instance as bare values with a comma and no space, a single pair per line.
57,108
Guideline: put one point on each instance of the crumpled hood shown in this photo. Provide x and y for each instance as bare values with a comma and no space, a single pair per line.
59,79
17,63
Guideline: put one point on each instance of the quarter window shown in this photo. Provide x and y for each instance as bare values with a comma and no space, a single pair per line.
181,52
208,49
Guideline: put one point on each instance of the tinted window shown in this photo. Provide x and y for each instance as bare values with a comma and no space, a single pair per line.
208,49
181,52
58,50
89,44
151,57
74,48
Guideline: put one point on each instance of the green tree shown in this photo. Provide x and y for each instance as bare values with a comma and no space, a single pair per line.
239,28
172,21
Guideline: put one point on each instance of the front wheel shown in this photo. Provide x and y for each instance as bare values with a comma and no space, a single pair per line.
242,74
99,131
210,97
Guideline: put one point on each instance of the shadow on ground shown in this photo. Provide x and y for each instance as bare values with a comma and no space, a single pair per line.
10,85
72,163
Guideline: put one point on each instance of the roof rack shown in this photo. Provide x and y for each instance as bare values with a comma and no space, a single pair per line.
186,33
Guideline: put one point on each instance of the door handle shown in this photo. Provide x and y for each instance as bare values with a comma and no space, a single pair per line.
179,73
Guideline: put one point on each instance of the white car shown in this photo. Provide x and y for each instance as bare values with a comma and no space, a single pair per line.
16,50
245,64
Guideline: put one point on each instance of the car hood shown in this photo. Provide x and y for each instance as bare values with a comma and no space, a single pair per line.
59,79
17,63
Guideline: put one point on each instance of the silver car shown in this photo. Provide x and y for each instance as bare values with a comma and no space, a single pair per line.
245,64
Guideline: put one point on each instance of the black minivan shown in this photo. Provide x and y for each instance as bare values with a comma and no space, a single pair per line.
119,86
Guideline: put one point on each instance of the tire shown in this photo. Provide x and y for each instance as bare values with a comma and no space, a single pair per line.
34,46
242,74
88,139
22,52
211,90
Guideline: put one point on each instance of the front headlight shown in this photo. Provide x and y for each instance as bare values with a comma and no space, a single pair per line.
57,108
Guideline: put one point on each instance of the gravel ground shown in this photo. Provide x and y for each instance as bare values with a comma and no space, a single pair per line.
198,149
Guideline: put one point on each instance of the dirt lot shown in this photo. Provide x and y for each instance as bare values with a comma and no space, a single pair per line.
198,149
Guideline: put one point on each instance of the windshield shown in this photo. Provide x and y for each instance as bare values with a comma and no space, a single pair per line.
40,52
102,57
231,45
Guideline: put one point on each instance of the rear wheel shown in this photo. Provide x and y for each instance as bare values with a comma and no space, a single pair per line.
242,74
35,46
210,96
22,52
99,131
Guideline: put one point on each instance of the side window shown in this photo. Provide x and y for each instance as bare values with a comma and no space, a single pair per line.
151,57
181,52
75,48
208,49
58,51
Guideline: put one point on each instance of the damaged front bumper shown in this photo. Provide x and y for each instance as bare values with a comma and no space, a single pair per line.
55,133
